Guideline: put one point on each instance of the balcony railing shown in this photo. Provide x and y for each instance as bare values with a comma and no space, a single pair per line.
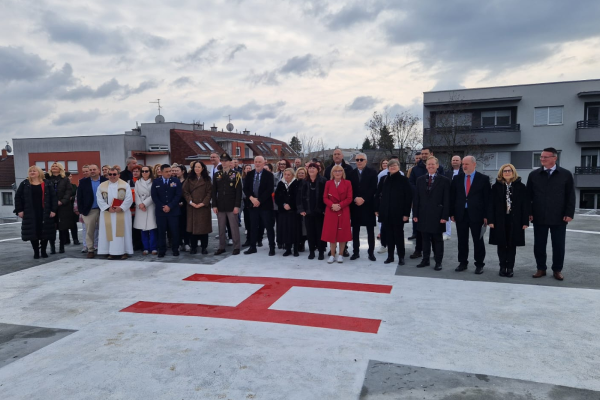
475,129
588,124
587,170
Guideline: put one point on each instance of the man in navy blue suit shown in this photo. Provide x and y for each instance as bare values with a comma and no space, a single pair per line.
166,193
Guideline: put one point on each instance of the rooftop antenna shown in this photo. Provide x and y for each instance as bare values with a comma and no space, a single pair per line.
157,102
229,126
159,119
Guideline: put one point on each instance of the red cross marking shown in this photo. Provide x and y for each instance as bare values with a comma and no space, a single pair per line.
256,307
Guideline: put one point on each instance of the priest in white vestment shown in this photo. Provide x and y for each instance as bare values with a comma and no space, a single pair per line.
114,236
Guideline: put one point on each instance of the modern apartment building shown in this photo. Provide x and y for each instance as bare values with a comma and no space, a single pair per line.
512,124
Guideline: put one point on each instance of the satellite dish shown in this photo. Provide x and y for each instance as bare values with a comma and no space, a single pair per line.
8,148
229,127
159,119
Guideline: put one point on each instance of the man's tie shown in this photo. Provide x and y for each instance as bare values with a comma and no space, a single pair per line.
468,184
164,181
256,184
359,176
429,183
549,172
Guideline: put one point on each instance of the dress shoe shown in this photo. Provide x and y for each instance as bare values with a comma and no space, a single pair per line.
502,271
296,254
194,250
91,254
246,243
76,242
478,270
558,276
401,261
110,258
321,255
124,257
287,253
259,243
36,256
423,264
235,252
161,255
509,273
438,267
175,254
346,254
372,257
272,251
416,255
412,237
219,251
354,256
539,273
461,267
61,248
44,254
388,261
204,251
251,250
311,255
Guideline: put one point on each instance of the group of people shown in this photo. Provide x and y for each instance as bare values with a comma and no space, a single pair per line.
148,208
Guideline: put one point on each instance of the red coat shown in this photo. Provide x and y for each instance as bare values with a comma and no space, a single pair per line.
336,226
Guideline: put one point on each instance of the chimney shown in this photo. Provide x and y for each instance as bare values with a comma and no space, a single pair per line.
4,154
246,132
213,128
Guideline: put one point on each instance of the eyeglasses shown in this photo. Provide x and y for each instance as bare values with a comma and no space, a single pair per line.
112,174
145,171
360,159
544,157
507,171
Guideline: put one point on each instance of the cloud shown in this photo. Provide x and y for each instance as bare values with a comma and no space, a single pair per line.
350,15
183,81
250,111
76,117
307,65
142,87
15,64
236,49
111,87
201,55
363,103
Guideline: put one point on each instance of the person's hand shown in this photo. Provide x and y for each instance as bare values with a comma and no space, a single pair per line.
567,219
236,210
303,214
415,219
443,221
452,219
76,212
215,210
405,219
60,203
52,214
530,218
143,207
166,209
119,210
21,214
491,226
485,222
111,210
336,207
199,205
376,214
525,226
287,207
359,201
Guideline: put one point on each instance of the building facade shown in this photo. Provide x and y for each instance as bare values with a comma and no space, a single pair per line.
7,186
512,124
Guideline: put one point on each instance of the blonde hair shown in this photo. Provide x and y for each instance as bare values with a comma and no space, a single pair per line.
433,158
60,167
39,170
291,171
514,177
335,168
302,169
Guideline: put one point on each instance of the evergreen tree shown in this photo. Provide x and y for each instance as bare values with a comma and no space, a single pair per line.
367,144
386,140
296,145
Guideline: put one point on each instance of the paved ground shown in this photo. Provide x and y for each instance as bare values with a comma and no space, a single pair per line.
74,328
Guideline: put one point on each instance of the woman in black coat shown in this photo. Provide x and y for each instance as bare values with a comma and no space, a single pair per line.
64,215
311,206
288,220
36,205
508,217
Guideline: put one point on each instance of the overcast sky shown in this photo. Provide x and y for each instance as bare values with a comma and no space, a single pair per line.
282,67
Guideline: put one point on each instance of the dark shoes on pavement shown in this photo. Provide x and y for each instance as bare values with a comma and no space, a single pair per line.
355,256
272,251
438,267
416,255
401,261
558,276
91,254
251,250
412,237
321,255
372,257
461,267
539,273
478,270
311,255
388,261
235,252
219,252
423,264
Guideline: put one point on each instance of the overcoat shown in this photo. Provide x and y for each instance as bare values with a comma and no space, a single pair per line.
518,217
144,220
227,190
551,198
199,220
64,215
303,201
336,226
24,203
288,221
477,199
365,186
431,206
393,199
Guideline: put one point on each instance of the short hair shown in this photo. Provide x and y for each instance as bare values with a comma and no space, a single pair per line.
291,171
85,166
394,157
500,176
38,169
418,153
60,167
361,154
393,162
473,159
305,171
106,166
297,158
113,168
427,148
434,158
67,174
551,150
89,165
335,168
138,166
130,160
164,166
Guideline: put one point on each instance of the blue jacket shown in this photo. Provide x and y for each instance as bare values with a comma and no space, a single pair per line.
166,195
86,195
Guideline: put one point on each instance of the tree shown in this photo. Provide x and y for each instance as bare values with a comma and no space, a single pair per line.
367,144
386,140
406,135
376,125
296,145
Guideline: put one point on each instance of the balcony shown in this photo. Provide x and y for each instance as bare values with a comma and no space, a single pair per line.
587,131
587,177
491,135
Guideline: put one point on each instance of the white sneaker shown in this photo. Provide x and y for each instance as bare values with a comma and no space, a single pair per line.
187,248
331,260
382,249
84,250
230,242
340,258
446,237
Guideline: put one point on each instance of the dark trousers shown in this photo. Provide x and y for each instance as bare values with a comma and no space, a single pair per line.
462,232
540,239
395,239
419,241
63,236
508,251
74,235
171,224
202,238
356,238
435,241
266,217
383,235
35,244
314,229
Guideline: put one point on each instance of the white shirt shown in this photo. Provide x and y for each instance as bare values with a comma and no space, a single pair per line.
550,169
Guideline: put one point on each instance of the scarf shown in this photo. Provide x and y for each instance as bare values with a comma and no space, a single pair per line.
121,193
508,197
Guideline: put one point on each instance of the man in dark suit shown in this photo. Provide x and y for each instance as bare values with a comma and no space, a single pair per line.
259,186
552,194
456,169
469,207
166,193
362,208
87,204
431,208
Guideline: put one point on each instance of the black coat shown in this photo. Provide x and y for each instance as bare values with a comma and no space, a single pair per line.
64,215
393,199
478,198
366,188
347,170
303,200
265,189
551,198
432,206
288,221
24,203
418,171
518,217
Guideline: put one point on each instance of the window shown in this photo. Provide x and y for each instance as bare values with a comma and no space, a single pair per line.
72,167
548,115
209,146
62,163
536,159
593,113
455,119
200,145
249,152
589,157
7,199
238,151
41,164
493,161
495,118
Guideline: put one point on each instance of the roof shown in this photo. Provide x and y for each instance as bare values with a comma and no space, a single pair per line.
7,171
473,101
507,86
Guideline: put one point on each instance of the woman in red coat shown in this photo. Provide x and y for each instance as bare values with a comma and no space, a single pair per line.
337,197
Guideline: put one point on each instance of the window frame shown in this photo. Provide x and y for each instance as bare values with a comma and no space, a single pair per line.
238,151
200,145
562,116
9,196
209,146
72,170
